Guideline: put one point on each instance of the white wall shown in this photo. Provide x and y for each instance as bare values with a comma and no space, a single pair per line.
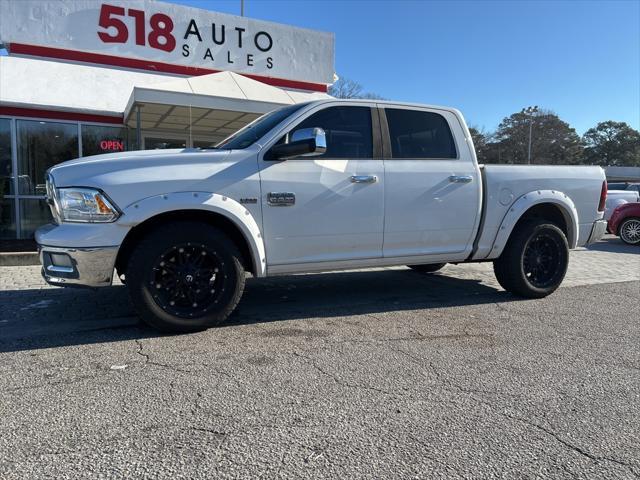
60,85
36,83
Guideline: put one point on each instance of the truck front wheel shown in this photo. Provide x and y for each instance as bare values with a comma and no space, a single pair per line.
534,261
185,277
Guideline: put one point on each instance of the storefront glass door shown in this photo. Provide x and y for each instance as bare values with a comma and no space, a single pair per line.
7,195
28,147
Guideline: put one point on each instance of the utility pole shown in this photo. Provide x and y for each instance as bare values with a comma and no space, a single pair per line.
530,112
242,8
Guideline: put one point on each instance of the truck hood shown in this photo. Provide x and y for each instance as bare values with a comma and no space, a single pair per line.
122,157
128,177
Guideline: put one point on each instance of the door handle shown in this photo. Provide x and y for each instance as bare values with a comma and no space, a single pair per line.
363,179
460,178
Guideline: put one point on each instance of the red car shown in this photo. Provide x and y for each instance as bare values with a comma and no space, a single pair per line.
625,222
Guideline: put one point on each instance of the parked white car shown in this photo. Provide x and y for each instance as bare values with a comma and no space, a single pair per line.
616,198
326,185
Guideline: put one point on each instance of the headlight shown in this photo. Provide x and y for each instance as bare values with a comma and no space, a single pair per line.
84,205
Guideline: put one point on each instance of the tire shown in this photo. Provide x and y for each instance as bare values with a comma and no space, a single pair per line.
629,231
185,277
429,268
534,261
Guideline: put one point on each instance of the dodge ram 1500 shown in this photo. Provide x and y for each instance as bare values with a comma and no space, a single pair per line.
325,185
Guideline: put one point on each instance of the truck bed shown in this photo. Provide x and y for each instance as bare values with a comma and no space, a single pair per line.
504,184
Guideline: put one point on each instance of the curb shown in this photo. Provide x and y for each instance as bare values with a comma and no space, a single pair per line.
18,259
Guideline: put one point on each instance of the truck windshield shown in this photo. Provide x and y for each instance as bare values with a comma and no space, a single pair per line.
251,133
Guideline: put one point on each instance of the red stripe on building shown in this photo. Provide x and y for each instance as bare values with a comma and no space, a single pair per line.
99,58
59,115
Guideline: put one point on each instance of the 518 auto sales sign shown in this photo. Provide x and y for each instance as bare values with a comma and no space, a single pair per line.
171,34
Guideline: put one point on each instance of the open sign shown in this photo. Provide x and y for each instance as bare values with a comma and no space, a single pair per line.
112,145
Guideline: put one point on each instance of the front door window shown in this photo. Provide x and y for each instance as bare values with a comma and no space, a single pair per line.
348,131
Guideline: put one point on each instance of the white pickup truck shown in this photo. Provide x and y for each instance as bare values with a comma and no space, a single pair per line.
319,186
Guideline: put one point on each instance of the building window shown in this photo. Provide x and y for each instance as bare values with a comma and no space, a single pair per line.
7,219
157,143
6,176
205,143
40,146
33,214
97,139
132,133
7,205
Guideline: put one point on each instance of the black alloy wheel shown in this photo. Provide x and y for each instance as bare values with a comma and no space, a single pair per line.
541,259
185,276
186,281
534,260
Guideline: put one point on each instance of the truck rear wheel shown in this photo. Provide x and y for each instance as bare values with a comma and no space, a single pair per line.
428,268
534,261
185,277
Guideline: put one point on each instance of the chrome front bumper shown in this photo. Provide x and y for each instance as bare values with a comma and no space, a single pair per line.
597,231
90,267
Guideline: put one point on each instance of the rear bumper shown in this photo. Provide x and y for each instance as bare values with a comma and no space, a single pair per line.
597,231
89,267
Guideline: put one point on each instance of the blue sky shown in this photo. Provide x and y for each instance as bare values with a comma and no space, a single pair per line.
489,59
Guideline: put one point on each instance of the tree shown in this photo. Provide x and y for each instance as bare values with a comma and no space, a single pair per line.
481,143
347,88
554,142
612,143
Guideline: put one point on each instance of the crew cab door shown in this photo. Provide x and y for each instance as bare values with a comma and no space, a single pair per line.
325,208
432,184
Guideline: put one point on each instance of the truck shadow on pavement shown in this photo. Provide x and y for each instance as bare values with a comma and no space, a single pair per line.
613,244
35,319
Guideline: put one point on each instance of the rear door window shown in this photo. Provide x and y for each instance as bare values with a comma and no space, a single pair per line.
420,135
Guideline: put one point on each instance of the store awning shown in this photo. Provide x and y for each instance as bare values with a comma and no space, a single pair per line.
212,105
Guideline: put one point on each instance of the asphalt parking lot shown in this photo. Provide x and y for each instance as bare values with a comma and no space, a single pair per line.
365,374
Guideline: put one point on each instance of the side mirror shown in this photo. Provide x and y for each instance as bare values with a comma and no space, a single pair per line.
307,142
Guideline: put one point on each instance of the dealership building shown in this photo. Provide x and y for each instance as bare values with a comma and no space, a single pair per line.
84,77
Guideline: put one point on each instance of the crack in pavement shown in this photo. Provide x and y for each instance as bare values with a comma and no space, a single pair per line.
218,370
52,384
340,381
218,435
172,387
471,392
575,448
423,363
148,360
196,404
